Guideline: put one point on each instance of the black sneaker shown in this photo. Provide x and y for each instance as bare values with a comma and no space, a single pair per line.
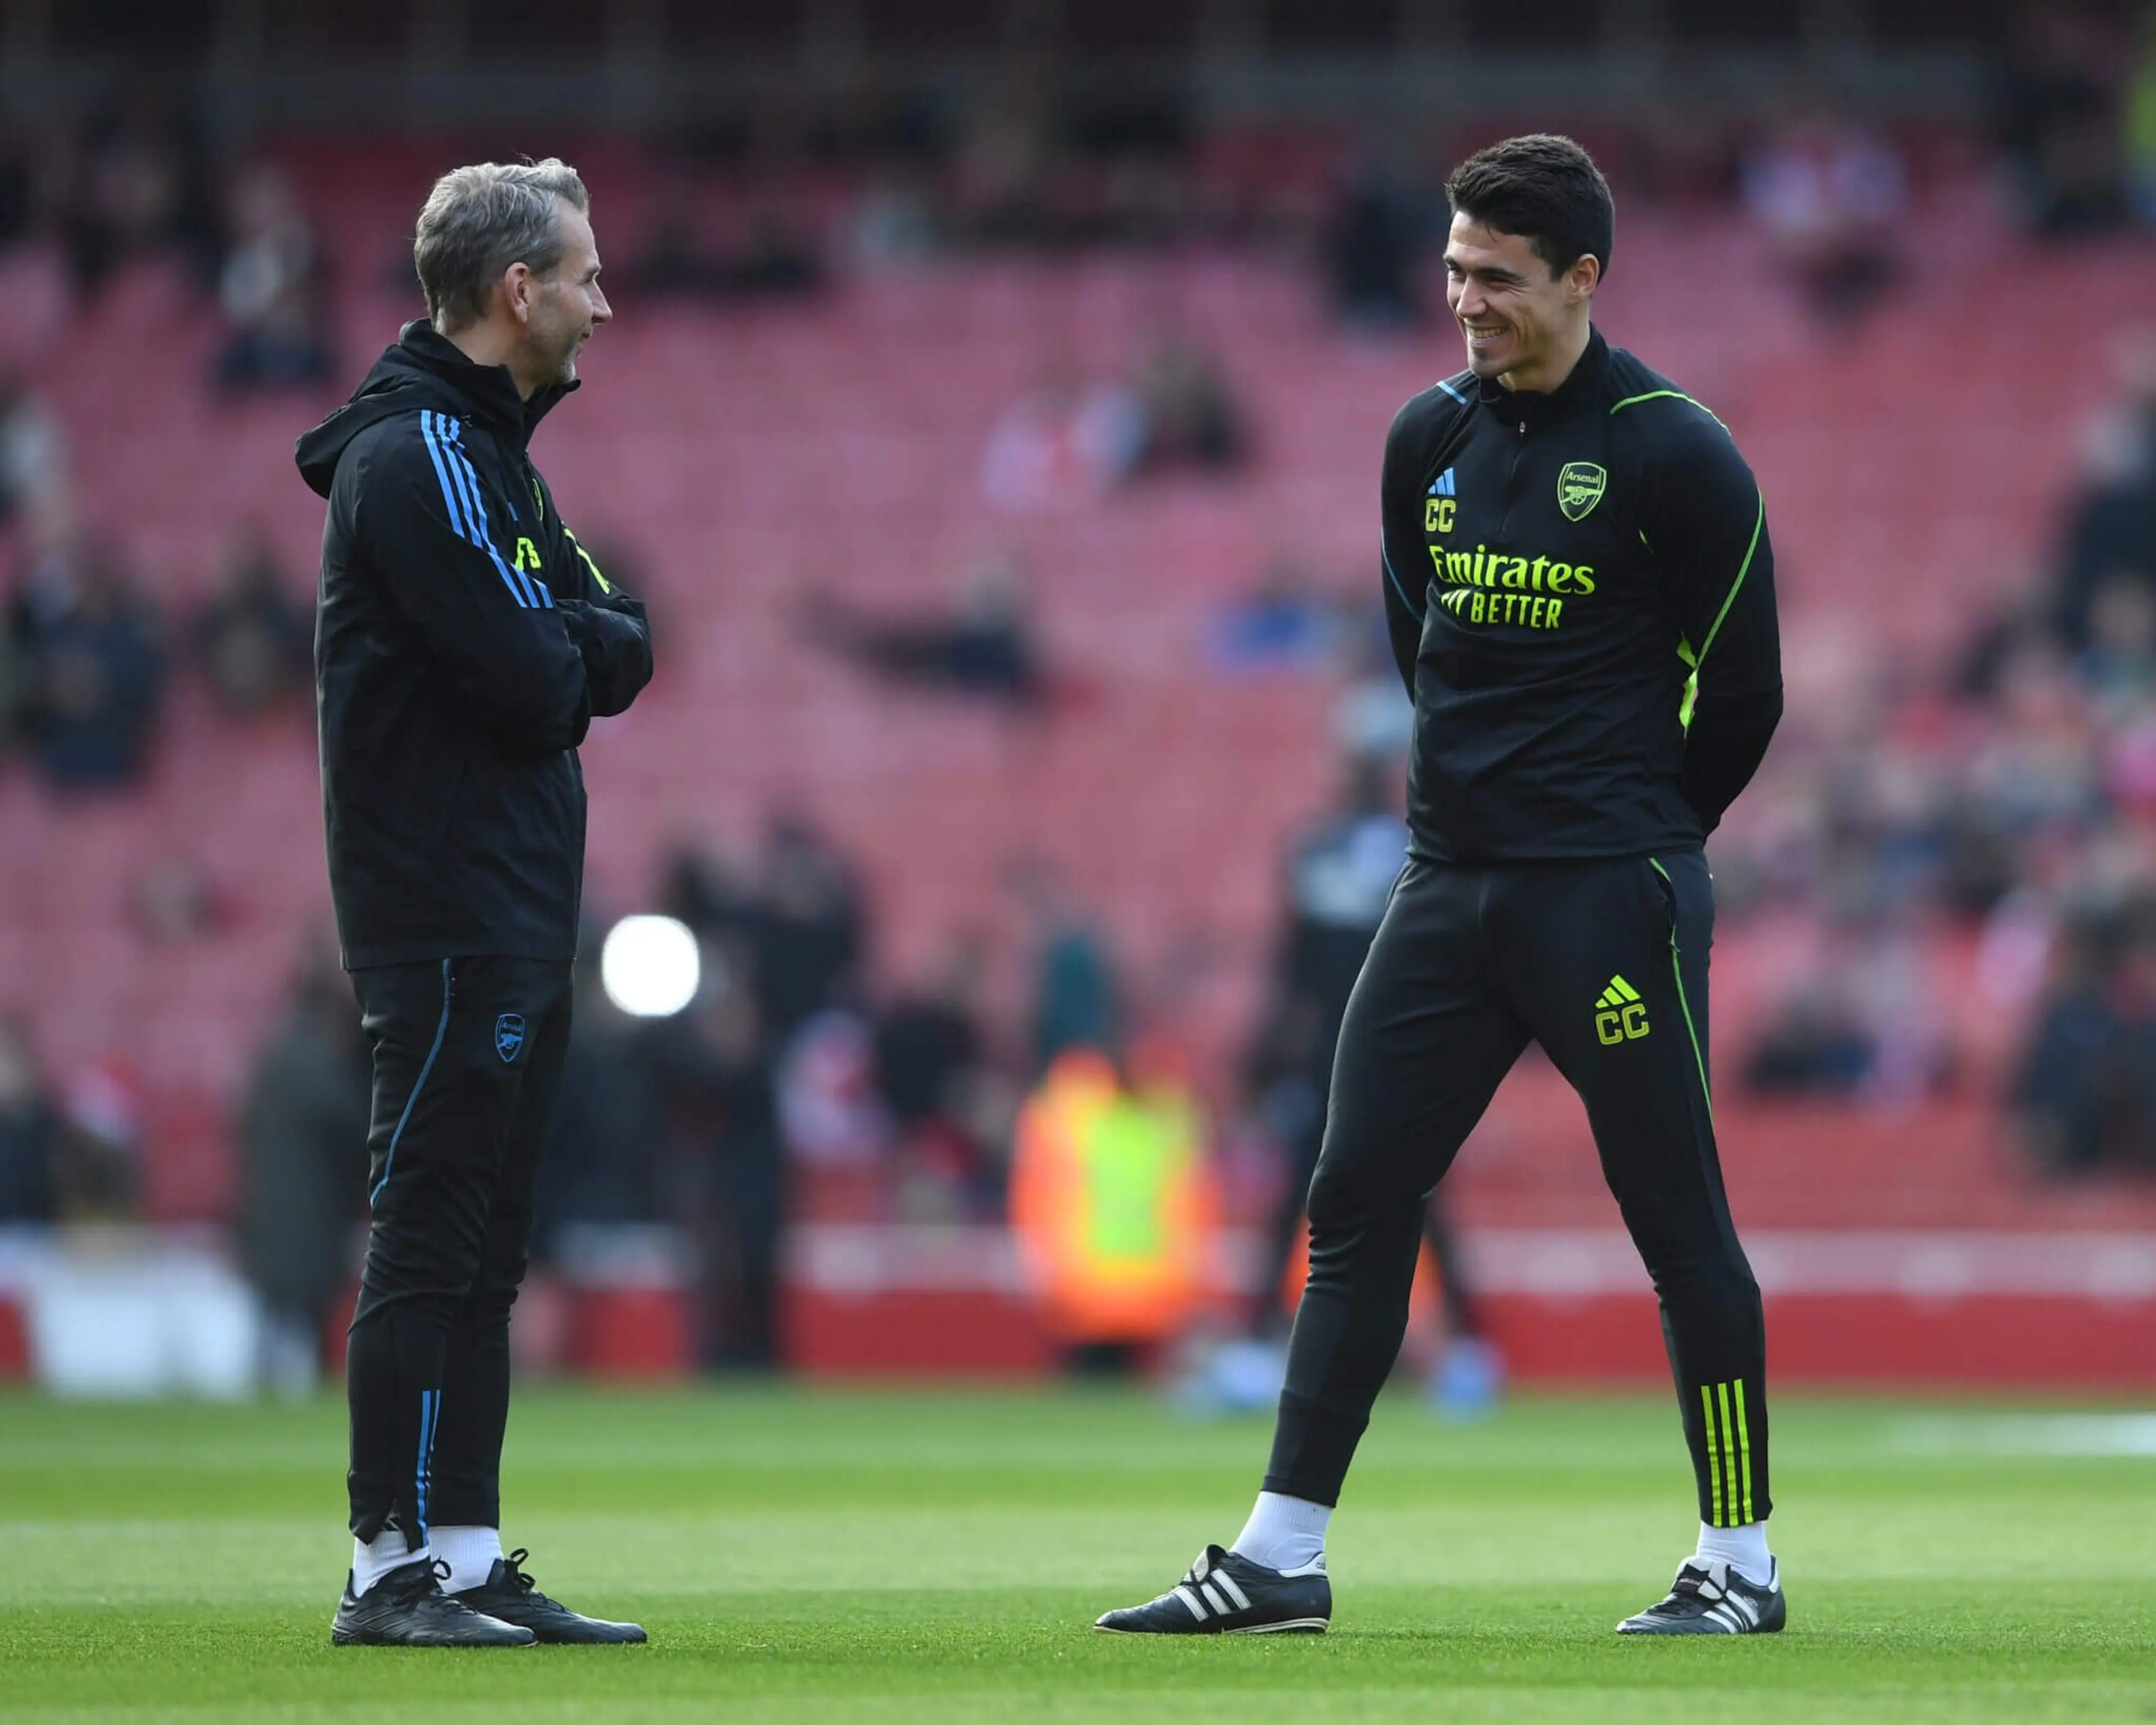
1713,1599
512,1595
407,1607
1225,1594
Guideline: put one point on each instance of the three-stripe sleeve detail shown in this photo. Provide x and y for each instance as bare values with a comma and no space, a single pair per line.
535,593
1728,1454
467,505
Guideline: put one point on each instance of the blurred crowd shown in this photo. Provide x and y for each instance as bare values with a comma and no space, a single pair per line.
2010,804
2012,800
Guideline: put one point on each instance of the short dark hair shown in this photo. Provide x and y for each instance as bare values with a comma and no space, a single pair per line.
1544,188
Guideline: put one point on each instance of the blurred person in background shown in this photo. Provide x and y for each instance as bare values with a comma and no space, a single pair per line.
809,934
1374,243
463,649
1189,418
2058,120
1340,880
1829,195
97,1163
2083,1097
270,288
29,1131
1112,1203
604,1157
1076,997
32,452
724,1162
1066,440
981,646
1577,574
253,641
949,1114
136,181
302,1142
92,665
2109,524
1283,623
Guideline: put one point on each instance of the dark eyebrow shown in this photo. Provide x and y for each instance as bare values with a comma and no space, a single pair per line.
1488,272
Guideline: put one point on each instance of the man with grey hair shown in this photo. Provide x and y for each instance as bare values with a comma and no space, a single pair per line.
464,644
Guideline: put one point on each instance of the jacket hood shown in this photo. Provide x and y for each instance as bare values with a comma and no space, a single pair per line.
423,368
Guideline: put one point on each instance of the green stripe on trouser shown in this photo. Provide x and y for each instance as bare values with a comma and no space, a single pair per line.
1744,1451
1728,1454
1728,1451
1676,969
1713,1458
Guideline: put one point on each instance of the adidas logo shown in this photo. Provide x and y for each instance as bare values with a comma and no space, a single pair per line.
1444,485
1620,1015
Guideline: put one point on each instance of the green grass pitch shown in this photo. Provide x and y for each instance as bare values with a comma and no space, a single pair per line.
854,1555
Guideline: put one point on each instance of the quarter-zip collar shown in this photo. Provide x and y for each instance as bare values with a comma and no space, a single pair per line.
1525,409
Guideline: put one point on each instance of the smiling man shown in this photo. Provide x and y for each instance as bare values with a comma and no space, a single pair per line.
464,644
1580,590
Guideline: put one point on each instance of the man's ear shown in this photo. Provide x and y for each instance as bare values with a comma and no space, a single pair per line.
1581,280
517,283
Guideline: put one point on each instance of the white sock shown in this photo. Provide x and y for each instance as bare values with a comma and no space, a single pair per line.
1283,1532
470,1553
1744,1549
377,1557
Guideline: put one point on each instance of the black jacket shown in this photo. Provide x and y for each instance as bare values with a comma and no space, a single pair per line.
463,644
1581,592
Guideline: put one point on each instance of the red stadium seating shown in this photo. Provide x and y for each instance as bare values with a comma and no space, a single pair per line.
751,458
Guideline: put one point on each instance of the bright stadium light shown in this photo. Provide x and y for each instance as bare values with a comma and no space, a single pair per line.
649,966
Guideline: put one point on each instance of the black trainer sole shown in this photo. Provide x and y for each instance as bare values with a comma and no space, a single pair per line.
1286,1626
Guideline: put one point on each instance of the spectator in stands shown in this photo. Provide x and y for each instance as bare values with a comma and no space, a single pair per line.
725,1168
983,647
1830,195
255,644
1064,441
29,1131
2110,528
1075,995
136,181
1188,417
604,1162
270,288
97,1165
1371,715
2084,1096
32,453
302,1139
94,666
949,1114
773,255
809,935
1282,623
2059,121
1374,243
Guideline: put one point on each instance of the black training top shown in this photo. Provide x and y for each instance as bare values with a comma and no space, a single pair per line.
1581,595
463,642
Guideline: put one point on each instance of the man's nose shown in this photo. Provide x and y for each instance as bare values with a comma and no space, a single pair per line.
601,311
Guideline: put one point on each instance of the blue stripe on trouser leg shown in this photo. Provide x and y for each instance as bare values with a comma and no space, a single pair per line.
389,1161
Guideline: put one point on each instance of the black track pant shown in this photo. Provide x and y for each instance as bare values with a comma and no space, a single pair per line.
468,1055
1605,963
